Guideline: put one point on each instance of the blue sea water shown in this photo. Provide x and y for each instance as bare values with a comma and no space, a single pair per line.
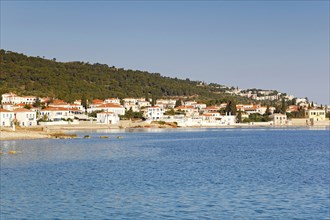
169,174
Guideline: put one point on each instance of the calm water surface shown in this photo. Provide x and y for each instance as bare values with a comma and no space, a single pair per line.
169,174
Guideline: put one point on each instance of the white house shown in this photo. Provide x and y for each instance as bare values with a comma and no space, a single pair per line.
135,108
316,114
10,98
200,106
166,103
109,107
188,110
25,117
211,109
154,113
228,120
107,118
190,103
29,100
211,118
130,101
112,100
56,114
143,103
279,119
76,108
6,118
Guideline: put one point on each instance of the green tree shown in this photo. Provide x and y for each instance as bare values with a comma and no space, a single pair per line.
268,111
170,112
37,103
84,101
283,106
129,114
178,103
94,113
239,116
153,100
231,108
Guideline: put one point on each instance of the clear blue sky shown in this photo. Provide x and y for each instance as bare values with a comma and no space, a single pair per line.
282,45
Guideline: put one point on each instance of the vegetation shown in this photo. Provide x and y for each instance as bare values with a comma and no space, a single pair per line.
94,113
41,77
130,114
256,117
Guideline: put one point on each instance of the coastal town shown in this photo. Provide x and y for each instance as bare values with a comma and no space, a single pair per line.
30,111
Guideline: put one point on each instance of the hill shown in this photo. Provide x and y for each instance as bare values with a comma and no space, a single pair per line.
37,76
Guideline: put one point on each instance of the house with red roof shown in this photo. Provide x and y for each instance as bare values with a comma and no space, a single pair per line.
188,110
25,117
55,114
109,107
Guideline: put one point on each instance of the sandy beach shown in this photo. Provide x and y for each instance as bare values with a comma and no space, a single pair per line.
59,131
22,135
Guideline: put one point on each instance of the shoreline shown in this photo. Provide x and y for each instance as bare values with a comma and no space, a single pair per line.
52,132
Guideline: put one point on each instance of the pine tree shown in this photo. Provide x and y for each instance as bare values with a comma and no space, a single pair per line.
37,102
178,103
84,101
231,108
153,100
283,107
239,116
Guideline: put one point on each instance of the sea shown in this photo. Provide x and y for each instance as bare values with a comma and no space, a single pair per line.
199,173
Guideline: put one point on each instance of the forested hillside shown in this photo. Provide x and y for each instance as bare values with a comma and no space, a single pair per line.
26,75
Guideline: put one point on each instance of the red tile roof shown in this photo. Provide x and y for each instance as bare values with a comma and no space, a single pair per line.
4,110
22,110
109,105
54,109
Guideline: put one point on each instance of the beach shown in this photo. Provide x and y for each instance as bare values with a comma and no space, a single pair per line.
22,135
59,131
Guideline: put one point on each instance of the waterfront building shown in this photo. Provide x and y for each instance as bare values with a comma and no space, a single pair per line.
154,113
109,107
55,114
25,117
107,118
315,114
279,119
6,118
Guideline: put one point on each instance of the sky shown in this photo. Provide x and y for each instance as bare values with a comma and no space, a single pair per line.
280,45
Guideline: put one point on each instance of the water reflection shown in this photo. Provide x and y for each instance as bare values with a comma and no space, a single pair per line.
30,152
